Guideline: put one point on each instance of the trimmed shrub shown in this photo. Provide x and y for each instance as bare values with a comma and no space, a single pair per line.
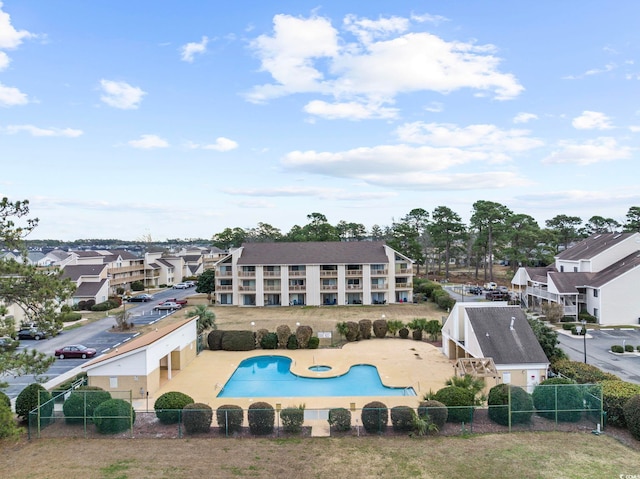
70,317
580,372
229,418
169,406
303,333
292,342
8,427
402,418
4,399
340,419
587,317
27,401
614,396
314,342
114,415
292,419
403,333
214,340
238,341
455,398
364,326
137,286
375,416
269,341
380,328
261,416
631,411
104,306
435,411
197,417
568,327
628,348
521,405
567,396
353,331
261,333
283,331
82,403
617,348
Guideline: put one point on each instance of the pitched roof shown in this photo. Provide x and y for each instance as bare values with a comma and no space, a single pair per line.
592,246
191,258
539,274
76,271
164,262
140,342
615,270
498,341
568,283
89,289
314,252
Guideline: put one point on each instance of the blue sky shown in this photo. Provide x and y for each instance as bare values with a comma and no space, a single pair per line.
177,119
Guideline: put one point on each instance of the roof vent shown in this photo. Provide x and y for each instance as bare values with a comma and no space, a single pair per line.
511,325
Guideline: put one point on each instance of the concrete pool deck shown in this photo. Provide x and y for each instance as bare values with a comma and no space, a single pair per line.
400,363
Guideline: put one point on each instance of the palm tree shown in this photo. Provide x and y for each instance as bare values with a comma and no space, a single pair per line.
206,317
418,325
342,328
394,325
470,383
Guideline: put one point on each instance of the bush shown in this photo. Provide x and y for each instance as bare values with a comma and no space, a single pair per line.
454,398
435,411
353,331
4,399
561,393
403,333
303,334
402,418
269,341
82,403
292,342
340,419
314,342
292,419
628,348
229,418
631,411
214,340
589,318
614,396
28,398
616,348
568,327
283,331
521,405
137,286
580,372
260,334
169,406
105,305
114,415
380,328
70,317
238,341
8,427
197,417
261,416
375,416
364,326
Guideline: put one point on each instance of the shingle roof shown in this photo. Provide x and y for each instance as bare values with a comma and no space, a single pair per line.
568,283
192,258
89,289
165,263
615,270
497,340
539,274
76,271
313,252
593,246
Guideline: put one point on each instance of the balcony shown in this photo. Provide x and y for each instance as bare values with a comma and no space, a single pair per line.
272,287
542,293
297,273
226,287
126,269
353,272
351,287
251,287
379,272
378,286
405,285
246,274
328,273
404,271
329,287
271,274
297,287
224,272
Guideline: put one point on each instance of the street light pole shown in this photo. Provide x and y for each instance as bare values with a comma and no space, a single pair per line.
584,339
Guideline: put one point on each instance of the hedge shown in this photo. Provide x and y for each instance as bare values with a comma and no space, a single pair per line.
580,372
197,417
169,406
559,399
614,396
292,419
82,403
402,418
631,411
261,416
435,411
375,416
113,416
455,398
229,418
340,419
27,401
521,405
238,341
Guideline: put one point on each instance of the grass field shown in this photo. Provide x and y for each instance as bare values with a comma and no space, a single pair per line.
528,455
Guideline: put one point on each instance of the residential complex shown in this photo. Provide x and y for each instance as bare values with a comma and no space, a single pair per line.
314,274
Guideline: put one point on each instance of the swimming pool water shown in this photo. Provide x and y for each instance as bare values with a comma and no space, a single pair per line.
270,376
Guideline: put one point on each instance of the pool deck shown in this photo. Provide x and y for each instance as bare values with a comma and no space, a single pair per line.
400,363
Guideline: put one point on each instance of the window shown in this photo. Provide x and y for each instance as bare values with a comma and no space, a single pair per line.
113,382
562,268
596,313
506,378
595,293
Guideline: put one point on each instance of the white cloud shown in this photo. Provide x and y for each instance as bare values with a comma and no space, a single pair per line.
147,142
37,131
221,144
9,36
593,71
4,60
590,152
523,117
188,51
592,120
427,18
316,192
10,96
635,128
348,110
435,107
121,94
310,56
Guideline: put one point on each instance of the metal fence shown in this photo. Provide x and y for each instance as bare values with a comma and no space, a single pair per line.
566,407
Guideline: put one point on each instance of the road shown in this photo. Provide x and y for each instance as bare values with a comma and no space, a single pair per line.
97,334
598,343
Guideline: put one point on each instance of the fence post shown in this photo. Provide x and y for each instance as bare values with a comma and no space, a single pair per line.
509,404
131,413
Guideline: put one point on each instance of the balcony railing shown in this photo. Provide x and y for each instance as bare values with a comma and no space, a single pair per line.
246,274
297,273
404,285
248,288
271,273
224,272
404,270
379,272
353,272
126,269
272,288
541,293
329,287
224,287
354,286
378,286
328,273
297,287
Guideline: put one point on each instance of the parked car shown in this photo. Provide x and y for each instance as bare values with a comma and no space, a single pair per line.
75,351
8,344
141,298
180,286
490,286
167,305
190,284
503,289
32,333
475,290
181,302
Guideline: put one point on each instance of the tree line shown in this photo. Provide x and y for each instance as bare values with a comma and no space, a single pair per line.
433,238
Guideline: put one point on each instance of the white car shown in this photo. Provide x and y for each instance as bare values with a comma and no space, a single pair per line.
180,286
168,305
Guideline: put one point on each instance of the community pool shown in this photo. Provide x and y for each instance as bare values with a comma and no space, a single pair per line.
271,376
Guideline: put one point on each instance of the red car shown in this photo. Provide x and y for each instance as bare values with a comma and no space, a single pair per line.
75,351
181,302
